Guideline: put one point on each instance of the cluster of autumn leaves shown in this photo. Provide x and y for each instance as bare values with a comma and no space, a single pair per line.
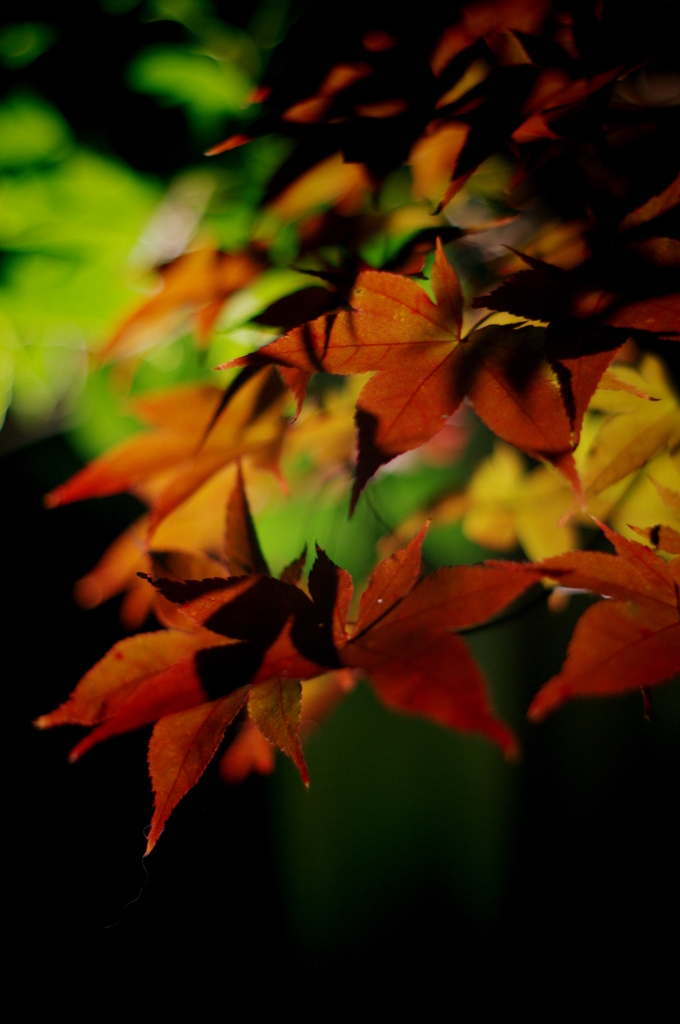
241,637
234,635
553,365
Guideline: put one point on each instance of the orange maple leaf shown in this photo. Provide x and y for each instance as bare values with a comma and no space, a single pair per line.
193,290
629,642
425,370
257,637
172,461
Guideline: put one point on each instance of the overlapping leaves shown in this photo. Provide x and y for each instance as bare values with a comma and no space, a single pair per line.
629,642
257,637
556,87
425,370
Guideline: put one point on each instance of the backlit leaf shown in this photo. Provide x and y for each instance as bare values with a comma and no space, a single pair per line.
181,747
424,371
275,707
632,642
391,580
176,461
192,292
110,683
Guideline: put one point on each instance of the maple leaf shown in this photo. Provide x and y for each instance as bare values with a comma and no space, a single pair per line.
331,182
256,637
275,707
181,747
109,683
578,349
140,680
155,678
663,538
242,549
251,751
657,314
557,100
174,460
505,505
181,541
480,19
552,89
629,642
636,430
192,536
193,289
425,370
323,436
403,639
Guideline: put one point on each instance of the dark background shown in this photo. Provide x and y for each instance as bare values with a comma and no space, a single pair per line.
418,860
585,833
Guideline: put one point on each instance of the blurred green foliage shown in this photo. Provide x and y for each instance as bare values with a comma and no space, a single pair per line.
205,87
76,225
69,219
22,43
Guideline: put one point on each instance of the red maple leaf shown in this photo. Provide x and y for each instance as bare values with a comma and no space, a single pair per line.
424,370
623,644
257,637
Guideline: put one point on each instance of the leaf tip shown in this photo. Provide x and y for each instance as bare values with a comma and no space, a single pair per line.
231,143
508,743
536,713
513,752
150,843
554,693
87,742
152,833
232,363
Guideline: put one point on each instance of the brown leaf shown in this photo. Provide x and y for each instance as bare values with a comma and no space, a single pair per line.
176,688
